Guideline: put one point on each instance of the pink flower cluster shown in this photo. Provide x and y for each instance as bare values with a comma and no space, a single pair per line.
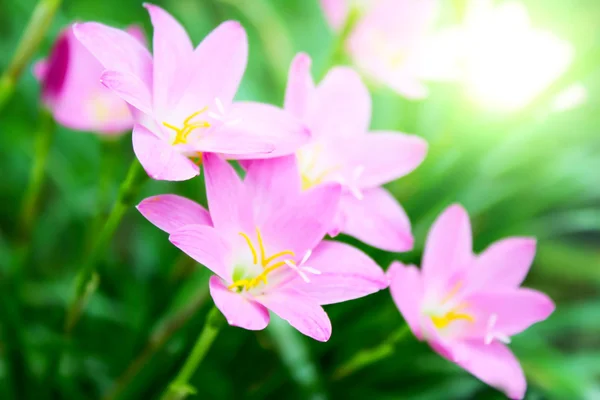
311,169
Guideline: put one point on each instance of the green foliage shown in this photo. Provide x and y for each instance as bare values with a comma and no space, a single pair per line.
531,172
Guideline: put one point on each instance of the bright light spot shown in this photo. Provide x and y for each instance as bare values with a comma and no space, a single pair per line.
503,61
570,98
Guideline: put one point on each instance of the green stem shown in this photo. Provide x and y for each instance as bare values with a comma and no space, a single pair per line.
157,340
87,279
367,357
338,52
109,148
29,207
38,25
180,388
294,352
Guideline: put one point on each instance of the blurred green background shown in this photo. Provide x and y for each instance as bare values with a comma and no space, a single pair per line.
532,171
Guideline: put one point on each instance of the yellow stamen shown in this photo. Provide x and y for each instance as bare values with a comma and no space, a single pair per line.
449,317
249,283
181,134
254,258
452,292
274,256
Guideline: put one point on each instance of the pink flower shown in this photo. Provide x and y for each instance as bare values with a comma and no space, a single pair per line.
71,88
468,306
263,240
390,41
338,112
186,96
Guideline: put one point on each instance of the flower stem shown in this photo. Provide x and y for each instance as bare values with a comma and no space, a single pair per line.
367,357
180,388
45,134
38,25
157,340
293,351
87,279
338,52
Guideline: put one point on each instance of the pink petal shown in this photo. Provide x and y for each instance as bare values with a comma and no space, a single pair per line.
300,311
448,249
237,308
377,219
384,156
205,245
39,69
264,123
300,87
214,70
138,33
504,263
513,311
270,183
130,88
116,50
228,204
170,212
341,105
406,287
71,88
172,49
159,159
495,365
346,273
302,220
336,12
235,143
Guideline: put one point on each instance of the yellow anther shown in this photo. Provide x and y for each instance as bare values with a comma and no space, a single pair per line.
252,249
266,262
449,317
181,134
249,283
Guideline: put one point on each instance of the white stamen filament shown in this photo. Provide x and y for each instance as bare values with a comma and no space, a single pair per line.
491,336
301,268
219,105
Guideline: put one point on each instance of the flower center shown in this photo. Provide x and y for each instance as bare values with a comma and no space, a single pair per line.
449,311
182,134
259,258
312,173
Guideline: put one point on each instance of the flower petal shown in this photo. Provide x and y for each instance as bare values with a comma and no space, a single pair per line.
130,88
170,212
235,143
237,308
512,310
269,183
116,50
383,156
377,219
214,70
229,207
346,273
341,105
406,287
159,159
495,365
504,263
172,49
205,245
448,249
302,220
336,12
300,87
300,311
265,123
